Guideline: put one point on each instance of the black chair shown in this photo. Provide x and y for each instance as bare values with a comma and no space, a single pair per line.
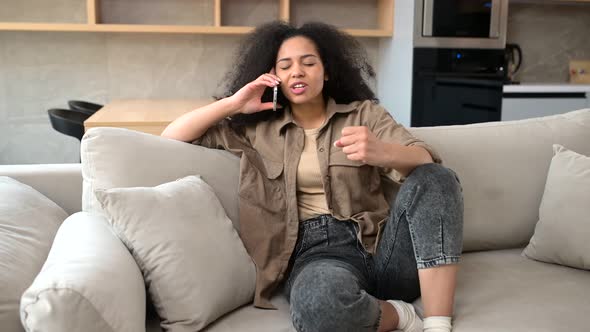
84,106
68,122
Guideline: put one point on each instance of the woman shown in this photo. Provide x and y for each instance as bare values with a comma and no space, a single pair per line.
313,214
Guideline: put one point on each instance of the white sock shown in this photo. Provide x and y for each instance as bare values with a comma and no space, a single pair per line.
408,320
437,324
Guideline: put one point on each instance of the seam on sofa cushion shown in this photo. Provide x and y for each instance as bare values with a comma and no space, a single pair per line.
38,296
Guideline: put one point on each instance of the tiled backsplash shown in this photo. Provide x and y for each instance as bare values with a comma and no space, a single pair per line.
549,35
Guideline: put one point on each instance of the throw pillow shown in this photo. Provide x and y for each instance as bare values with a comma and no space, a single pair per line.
89,282
192,259
562,232
28,223
118,157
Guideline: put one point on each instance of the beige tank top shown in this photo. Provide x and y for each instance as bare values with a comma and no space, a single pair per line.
311,198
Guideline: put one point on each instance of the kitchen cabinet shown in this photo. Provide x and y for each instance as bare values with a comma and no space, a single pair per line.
229,17
529,101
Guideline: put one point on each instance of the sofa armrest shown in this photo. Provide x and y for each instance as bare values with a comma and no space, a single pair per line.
89,282
61,183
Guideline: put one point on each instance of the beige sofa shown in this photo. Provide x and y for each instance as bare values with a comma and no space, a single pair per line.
502,167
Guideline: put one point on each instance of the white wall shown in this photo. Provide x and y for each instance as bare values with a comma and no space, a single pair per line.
395,65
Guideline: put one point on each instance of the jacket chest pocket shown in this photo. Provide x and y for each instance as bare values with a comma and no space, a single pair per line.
261,183
353,172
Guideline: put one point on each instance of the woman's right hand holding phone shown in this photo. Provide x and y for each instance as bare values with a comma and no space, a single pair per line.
247,100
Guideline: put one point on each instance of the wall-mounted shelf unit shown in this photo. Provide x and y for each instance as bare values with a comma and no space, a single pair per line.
373,18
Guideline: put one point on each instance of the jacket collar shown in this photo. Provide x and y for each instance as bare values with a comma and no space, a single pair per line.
331,109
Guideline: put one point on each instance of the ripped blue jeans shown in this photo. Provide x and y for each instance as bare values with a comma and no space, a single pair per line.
334,284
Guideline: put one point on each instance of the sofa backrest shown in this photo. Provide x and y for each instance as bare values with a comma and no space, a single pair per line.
118,158
503,167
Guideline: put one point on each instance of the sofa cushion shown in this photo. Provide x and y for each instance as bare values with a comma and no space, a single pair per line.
28,223
246,319
117,157
497,290
501,290
503,167
562,233
89,282
193,261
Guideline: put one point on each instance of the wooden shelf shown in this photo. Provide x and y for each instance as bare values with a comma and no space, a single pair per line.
384,10
180,29
225,30
369,32
93,15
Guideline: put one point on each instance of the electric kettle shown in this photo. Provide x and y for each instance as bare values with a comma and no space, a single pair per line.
512,62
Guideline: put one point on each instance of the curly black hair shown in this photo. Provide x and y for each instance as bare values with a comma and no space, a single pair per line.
344,59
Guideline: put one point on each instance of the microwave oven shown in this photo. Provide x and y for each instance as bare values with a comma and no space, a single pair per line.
461,23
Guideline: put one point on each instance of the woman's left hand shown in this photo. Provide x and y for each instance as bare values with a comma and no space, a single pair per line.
359,143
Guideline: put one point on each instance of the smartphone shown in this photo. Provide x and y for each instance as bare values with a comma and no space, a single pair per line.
274,98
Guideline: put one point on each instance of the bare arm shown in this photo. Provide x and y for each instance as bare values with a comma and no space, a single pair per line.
194,124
